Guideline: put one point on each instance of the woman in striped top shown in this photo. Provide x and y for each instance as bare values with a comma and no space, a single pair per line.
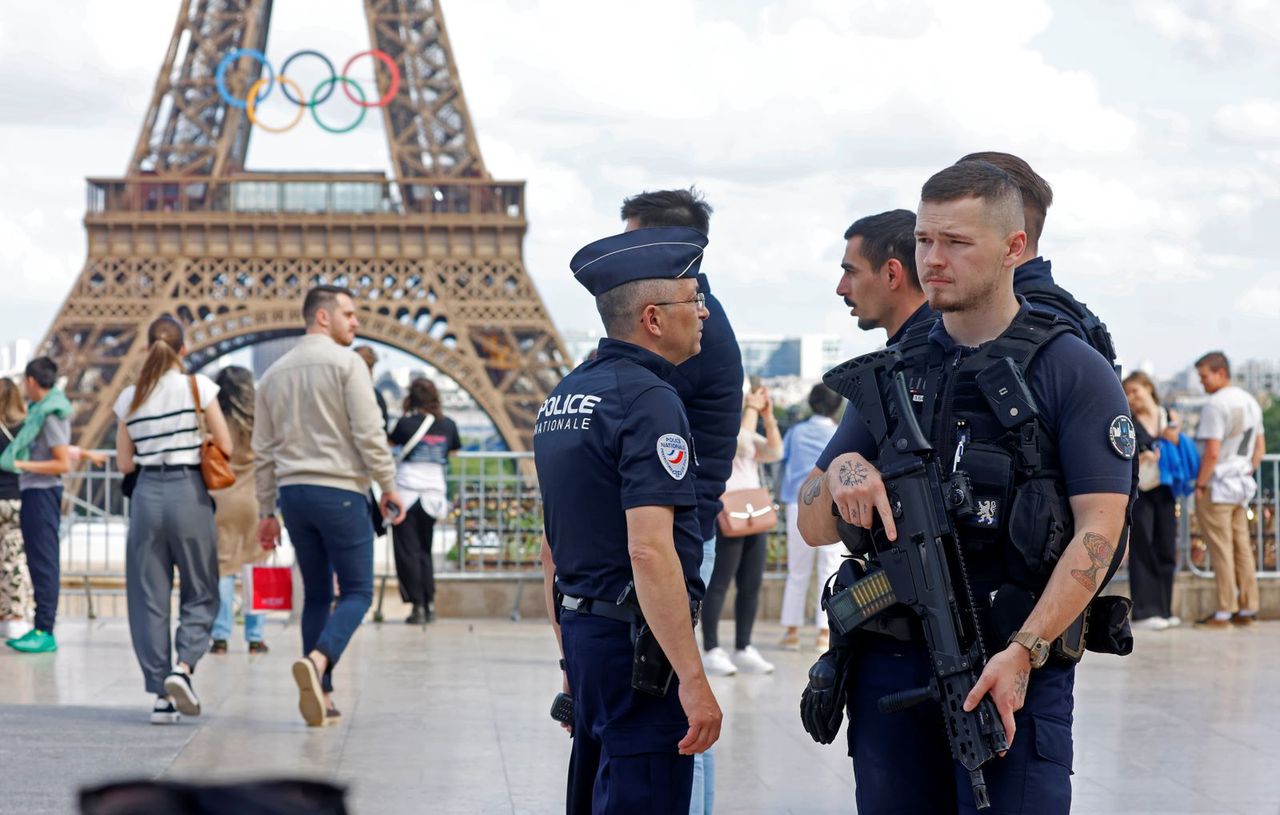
170,518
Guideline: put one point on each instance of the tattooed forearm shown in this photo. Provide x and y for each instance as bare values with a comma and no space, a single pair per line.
1020,686
1100,551
852,475
811,490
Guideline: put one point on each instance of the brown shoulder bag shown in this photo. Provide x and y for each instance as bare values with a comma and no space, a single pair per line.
747,512
215,468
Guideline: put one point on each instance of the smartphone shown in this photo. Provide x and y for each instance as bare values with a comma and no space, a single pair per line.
393,510
562,709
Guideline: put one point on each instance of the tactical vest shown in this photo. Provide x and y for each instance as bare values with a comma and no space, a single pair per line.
1095,331
1022,521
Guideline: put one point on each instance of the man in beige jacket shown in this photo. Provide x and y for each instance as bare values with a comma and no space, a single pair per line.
318,440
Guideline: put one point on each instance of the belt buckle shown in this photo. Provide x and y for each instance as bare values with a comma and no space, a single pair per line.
570,603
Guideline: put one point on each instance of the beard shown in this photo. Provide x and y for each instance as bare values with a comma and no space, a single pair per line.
952,299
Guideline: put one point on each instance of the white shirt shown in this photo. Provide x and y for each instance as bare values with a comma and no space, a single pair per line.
164,428
1233,417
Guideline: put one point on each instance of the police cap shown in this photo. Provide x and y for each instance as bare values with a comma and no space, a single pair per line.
669,252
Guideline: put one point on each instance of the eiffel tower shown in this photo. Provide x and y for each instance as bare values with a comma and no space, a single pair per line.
433,255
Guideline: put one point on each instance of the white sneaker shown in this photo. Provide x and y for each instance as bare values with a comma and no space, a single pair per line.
1174,621
164,712
1151,624
13,629
749,661
716,662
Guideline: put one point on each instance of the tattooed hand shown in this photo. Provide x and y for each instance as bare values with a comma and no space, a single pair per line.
1100,552
857,491
1006,678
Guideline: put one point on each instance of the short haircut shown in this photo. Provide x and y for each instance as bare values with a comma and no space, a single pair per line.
1140,378
823,401
44,371
982,180
1037,195
620,305
1214,361
888,236
669,208
322,297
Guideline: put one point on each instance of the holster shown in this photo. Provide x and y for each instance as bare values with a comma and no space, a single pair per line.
1108,631
651,671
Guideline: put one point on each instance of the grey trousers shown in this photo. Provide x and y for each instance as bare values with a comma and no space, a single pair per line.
170,524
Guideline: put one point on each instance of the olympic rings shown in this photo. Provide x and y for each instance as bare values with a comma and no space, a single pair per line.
322,92
251,104
331,81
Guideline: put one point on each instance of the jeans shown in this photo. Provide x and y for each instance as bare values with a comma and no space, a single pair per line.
332,534
704,764
225,621
40,515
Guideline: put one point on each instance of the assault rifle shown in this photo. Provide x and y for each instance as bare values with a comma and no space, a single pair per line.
924,568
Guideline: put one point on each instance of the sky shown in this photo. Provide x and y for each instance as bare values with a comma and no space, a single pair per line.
1156,121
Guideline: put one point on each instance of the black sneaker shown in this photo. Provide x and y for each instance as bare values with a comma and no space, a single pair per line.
218,647
418,616
164,712
332,715
258,647
178,685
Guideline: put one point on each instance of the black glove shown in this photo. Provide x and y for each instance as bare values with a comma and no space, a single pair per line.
823,701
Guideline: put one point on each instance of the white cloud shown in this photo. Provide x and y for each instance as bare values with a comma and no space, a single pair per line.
1262,300
1214,30
1255,121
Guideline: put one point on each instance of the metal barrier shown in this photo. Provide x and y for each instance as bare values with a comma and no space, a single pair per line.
1263,526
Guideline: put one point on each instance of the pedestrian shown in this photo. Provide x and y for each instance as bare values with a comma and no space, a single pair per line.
15,587
1233,444
427,440
622,544
801,446
710,386
236,514
741,560
171,524
318,439
41,454
1070,459
1153,541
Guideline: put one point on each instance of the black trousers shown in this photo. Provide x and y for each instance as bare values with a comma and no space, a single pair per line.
411,541
740,560
1153,553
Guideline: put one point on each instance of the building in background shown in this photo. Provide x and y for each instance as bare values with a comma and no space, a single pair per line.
14,357
807,356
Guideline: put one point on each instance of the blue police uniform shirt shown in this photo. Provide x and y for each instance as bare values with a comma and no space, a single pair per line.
710,385
1079,397
1036,271
613,436
851,434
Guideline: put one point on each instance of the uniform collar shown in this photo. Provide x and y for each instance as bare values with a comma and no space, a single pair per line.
923,314
938,334
1036,270
610,348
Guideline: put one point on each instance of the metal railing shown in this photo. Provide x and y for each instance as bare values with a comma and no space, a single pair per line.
1262,513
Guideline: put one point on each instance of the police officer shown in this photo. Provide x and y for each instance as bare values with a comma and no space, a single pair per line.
1033,279
1042,540
622,545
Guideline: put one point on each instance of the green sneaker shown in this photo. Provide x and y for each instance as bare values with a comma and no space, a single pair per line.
24,638
36,642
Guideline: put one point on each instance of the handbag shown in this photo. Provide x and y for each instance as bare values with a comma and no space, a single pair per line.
215,468
747,512
1149,471
267,587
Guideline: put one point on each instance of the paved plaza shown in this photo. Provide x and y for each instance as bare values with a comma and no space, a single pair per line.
453,719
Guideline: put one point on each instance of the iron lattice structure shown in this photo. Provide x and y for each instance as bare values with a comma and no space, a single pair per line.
434,255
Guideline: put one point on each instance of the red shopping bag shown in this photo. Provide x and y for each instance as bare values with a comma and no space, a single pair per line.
268,588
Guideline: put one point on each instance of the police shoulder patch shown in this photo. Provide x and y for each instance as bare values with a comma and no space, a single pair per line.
1123,438
673,452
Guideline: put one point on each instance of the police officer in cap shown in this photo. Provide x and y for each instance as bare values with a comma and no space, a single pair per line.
622,543
1051,497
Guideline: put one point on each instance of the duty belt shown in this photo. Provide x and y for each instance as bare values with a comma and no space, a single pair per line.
603,608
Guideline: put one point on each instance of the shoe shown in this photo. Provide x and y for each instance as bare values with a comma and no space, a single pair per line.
332,715
258,647
34,642
431,612
164,712
418,616
1243,620
749,661
790,640
218,647
716,662
1150,624
310,694
178,685
15,629
1174,621
1214,621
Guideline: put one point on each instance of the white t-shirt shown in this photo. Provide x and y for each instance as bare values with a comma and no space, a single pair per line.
1233,417
164,429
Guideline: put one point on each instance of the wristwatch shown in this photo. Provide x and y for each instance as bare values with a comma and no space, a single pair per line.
1037,647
